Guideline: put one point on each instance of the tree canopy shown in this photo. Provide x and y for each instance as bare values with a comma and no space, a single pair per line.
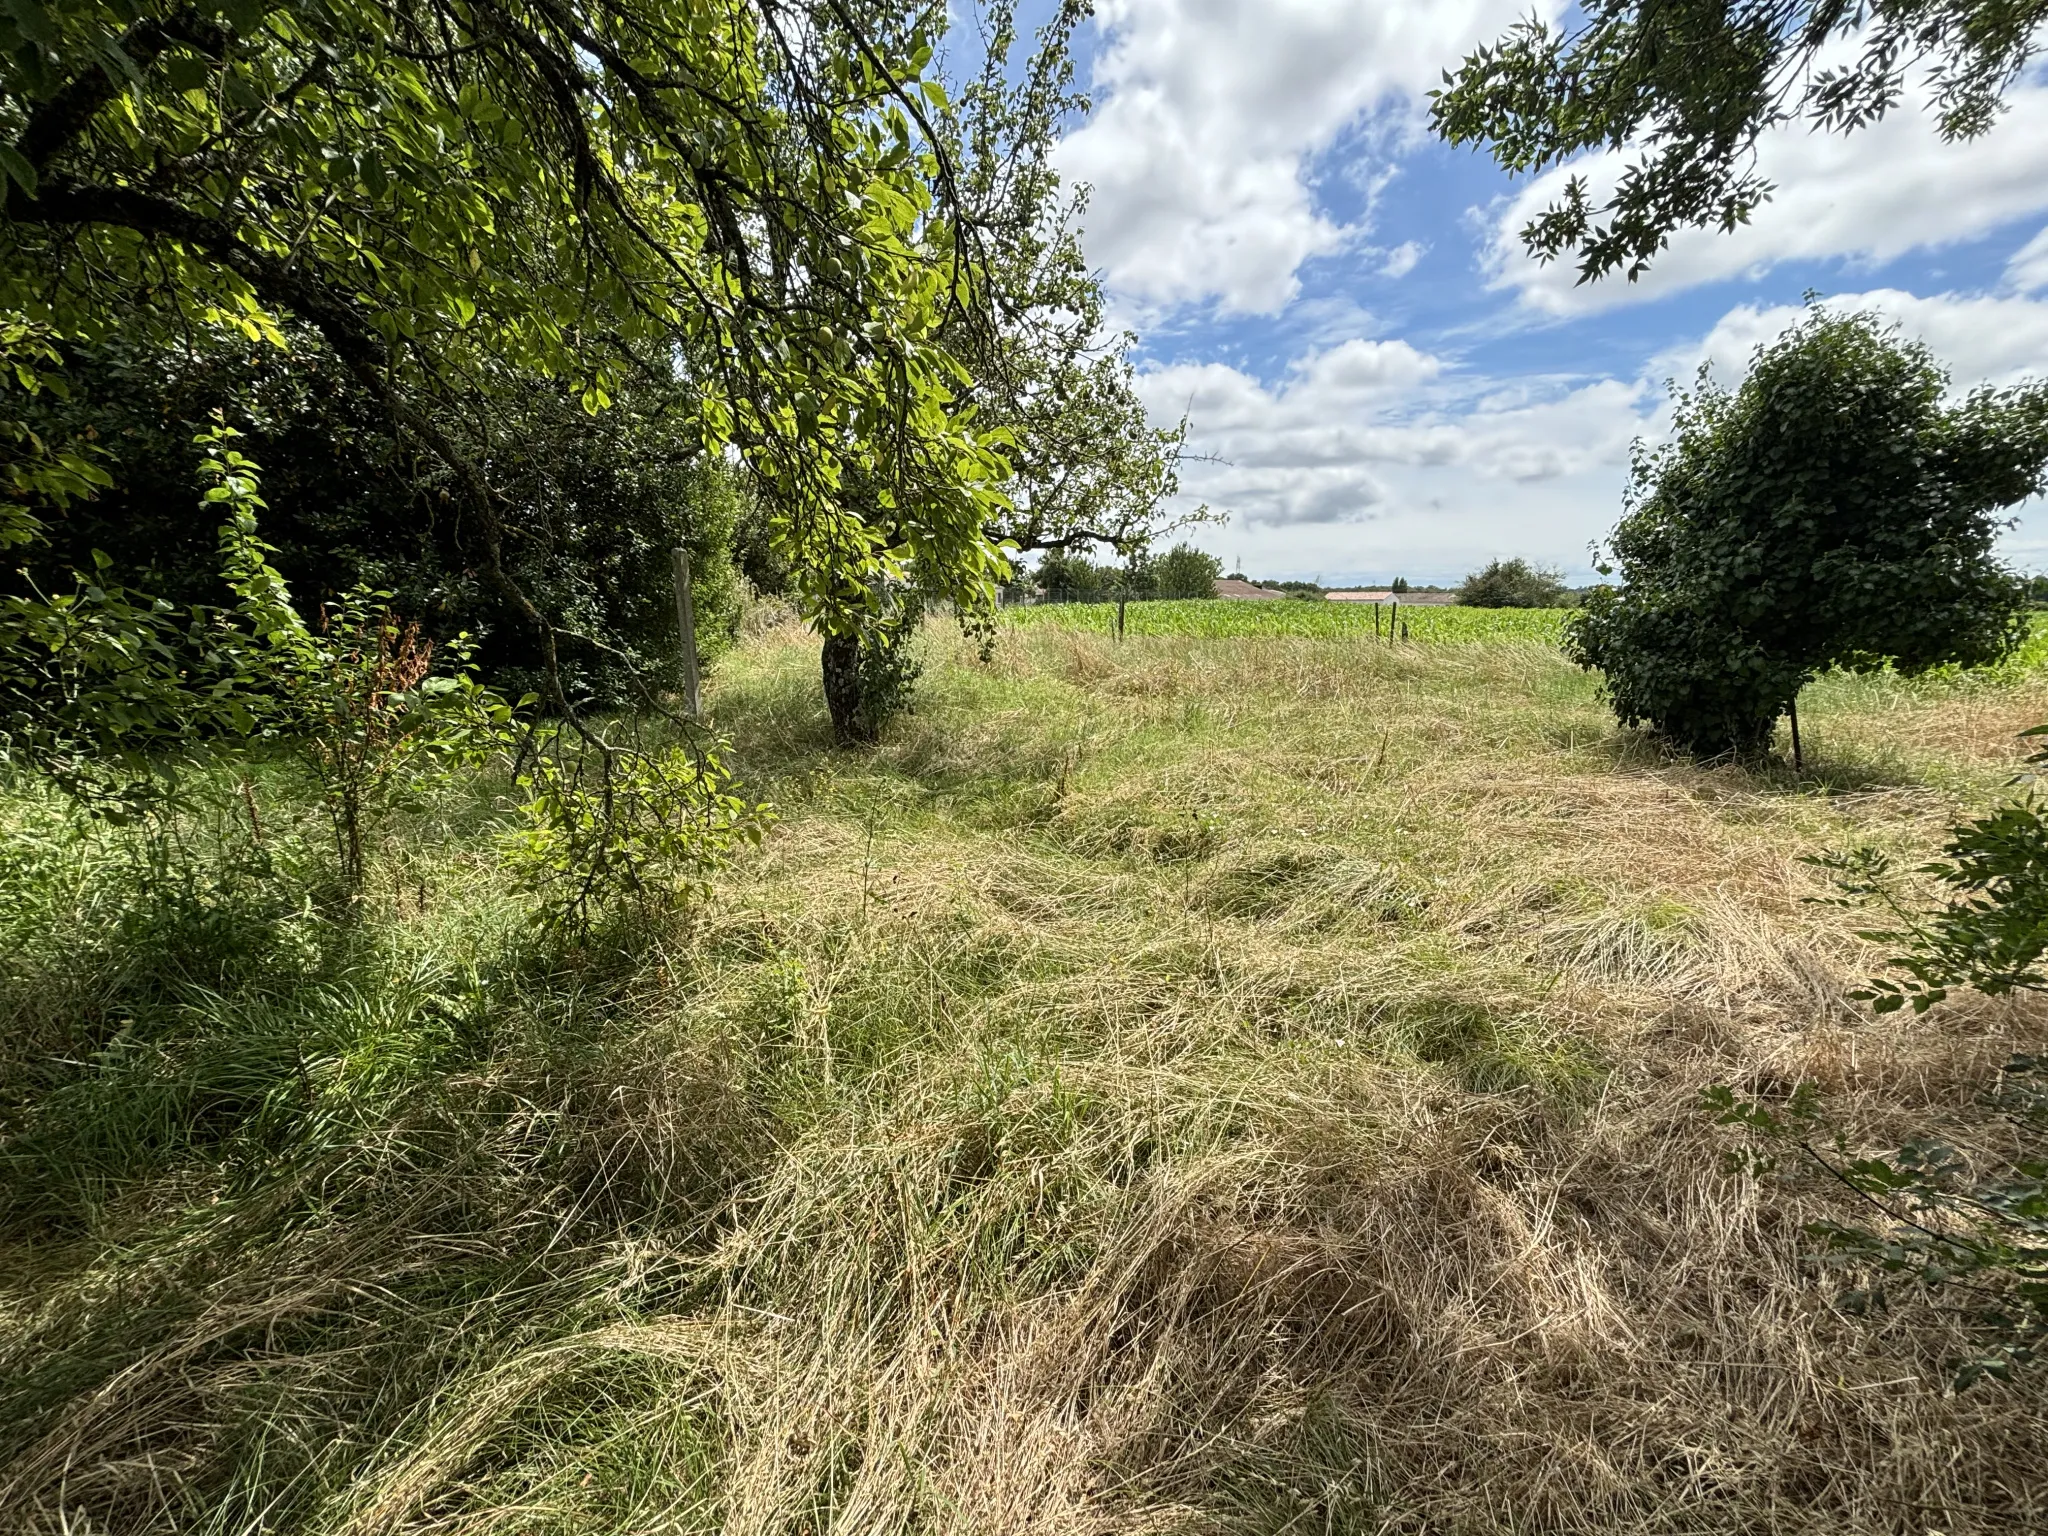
1513,584
1833,510
749,202
1694,84
1186,572
1086,465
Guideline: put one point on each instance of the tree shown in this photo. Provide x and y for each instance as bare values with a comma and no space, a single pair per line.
1185,572
454,195
1514,584
1696,83
1086,466
1066,577
1831,511
597,503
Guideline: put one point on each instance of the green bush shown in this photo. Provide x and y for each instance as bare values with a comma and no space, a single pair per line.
595,506
1514,584
1185,572
1831,511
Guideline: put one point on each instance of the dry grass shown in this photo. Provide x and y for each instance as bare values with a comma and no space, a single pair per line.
1238,1086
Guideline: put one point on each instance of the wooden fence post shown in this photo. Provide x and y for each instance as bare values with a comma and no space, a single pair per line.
686,631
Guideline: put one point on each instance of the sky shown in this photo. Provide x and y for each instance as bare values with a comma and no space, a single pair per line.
1382,382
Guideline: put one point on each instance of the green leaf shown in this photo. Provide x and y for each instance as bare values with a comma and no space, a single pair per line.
18,170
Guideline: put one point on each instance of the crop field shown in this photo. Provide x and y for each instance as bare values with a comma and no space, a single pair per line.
1242,1085
1220,619
1450,623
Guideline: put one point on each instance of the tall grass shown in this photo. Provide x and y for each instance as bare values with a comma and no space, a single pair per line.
1234,1085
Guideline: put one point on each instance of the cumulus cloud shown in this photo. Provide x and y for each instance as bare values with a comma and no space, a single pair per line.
1372,458
1979,338
1870,196
1371,431
2027,270
1209,116
1402,258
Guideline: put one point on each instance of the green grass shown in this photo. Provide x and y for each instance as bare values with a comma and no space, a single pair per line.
1188,1084
1226,619
1223,619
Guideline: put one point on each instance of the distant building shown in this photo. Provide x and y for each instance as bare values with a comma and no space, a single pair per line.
1230,586
1406,599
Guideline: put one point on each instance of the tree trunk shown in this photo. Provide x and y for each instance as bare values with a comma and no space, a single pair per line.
842,690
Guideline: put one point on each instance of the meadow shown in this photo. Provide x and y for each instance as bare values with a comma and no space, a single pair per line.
1198,1083
1218,620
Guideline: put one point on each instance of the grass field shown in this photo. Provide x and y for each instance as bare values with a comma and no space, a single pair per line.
1313,620
1188,1084
1357,622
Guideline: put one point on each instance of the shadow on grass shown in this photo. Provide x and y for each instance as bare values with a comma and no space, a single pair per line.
1832,768
943,755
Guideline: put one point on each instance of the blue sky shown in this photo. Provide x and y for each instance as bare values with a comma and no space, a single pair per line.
1340,305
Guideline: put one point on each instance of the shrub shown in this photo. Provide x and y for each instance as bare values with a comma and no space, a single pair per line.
1831,511
1185,572
1063,574
595,506
1514,584
612,824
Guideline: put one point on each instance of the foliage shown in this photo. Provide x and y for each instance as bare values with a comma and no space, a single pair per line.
1185,572
347,503
889,664
1953,1227
1991,931
1946,1225
1087,468
592,505
1947,1221
356,702
1695,84
105,690
35,472
1831,511
1065,576
602,504
1514,584
362,709
1072,577
458,197
871,673
612,824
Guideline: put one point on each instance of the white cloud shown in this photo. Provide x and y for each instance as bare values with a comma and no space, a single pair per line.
1868,197
1978,338
1209,112
1372,447
1402,258
2027,271
1361,366
1371,458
